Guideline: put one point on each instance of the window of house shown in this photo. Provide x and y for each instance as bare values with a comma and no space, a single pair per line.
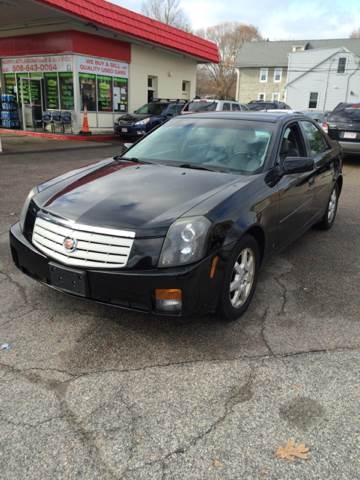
315,138
275,97
313,99
264,72
261,96
341,65
277,74
88,91
185,88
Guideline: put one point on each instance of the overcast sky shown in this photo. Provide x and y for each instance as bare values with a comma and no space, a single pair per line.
276,19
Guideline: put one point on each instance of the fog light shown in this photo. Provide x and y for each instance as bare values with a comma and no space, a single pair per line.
140,132
168,300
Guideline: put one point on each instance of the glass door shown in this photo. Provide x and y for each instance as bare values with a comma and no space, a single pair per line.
31,98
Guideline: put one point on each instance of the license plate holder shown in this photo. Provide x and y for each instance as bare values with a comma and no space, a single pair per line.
350,135
68,279
124,130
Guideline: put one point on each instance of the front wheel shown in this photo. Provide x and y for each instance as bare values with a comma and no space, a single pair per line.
331,209
240,279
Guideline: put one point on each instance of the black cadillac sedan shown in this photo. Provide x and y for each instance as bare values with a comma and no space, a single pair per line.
182,221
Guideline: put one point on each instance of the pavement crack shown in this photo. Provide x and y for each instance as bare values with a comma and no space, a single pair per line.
263,332
284,295
236,397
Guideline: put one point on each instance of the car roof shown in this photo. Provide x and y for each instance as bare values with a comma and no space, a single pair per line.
265,117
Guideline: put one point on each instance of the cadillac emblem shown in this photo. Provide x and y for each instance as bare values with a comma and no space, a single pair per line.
70,244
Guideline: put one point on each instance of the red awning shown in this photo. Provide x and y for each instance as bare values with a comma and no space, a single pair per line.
133,24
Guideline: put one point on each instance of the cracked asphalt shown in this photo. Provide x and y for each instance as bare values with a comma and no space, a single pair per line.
88,391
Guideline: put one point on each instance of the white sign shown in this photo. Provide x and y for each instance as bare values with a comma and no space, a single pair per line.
102,66
54,63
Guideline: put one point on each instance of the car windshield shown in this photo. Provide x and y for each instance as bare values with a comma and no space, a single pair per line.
153,108
201,106
217,144
350,113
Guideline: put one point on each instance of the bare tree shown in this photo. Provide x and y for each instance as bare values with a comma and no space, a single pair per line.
167,11
229,37
355,33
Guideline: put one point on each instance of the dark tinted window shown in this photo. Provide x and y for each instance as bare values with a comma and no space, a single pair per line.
346,114
292,144
201,106
315,138
226,107
152,108
236,107
313,100
341,65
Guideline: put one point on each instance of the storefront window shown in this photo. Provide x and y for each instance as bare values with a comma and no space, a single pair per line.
10,83
51,91
24,89
88,91
120,95
66,91
104,94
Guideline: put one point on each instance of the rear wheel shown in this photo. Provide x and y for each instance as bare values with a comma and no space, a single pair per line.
240,279
331,209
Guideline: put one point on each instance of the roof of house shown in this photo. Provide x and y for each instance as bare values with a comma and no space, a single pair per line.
122,20
275,54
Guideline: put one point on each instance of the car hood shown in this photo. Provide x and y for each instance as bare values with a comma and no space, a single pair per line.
146,198
132,117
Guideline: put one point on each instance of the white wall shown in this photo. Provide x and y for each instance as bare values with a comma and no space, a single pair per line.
321,76
170,70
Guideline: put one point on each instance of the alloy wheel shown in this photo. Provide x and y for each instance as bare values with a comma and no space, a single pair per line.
242,278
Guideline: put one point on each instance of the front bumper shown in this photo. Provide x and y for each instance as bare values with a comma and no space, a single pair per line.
130,131
131,289
350,147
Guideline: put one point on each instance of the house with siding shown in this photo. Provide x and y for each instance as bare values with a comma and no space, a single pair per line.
263,66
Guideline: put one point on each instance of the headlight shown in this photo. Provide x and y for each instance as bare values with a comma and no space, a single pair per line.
185,242
143,122
25,207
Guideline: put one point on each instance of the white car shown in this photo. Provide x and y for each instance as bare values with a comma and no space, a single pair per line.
210,105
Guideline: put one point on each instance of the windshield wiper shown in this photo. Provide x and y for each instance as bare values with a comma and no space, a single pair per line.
195,167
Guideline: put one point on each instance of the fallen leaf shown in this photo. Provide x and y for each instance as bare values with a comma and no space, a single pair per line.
291,451
216,463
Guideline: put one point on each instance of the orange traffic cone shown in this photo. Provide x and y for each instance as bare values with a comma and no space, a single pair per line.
85,126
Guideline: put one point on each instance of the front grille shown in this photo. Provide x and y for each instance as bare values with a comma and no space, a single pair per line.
93,246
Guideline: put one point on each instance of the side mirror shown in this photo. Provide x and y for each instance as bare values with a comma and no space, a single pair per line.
297,165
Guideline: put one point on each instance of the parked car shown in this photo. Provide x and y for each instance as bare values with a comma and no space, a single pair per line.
182,221
343,125
260,105
208,105
147,117
320,116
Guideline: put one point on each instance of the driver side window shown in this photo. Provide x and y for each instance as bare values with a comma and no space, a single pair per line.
292,144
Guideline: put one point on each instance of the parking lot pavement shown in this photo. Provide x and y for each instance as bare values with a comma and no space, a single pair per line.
90,392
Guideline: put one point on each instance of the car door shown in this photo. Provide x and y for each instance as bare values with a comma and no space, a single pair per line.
296,191
323,156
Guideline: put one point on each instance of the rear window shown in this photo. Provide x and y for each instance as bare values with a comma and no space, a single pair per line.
200,106
349,113
153,108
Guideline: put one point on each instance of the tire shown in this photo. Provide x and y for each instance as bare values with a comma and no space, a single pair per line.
229,307
330,214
